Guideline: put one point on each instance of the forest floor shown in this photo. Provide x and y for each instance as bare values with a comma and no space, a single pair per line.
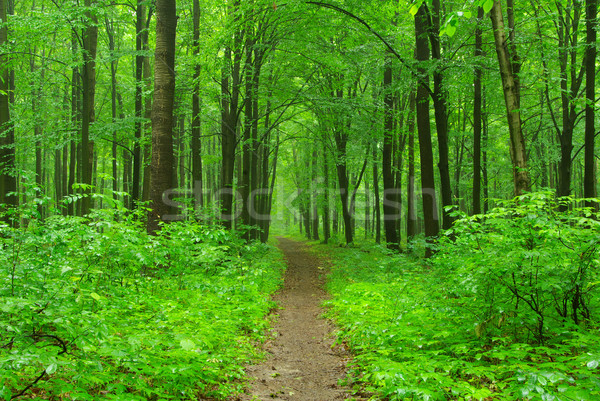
301,363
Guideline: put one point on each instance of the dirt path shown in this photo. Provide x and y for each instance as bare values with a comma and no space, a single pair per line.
301,365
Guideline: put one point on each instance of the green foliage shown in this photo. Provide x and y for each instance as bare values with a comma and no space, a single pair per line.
532,268
97,309
457,330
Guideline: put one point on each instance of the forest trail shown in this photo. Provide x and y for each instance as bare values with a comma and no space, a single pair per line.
301,365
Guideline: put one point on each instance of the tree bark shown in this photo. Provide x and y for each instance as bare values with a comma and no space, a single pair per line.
429,200
589,180
411,202
477,115
161,179
390,206
440,104
377,205
90,43
196,145
8,182
522,182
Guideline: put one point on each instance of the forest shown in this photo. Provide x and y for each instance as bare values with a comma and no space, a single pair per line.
438,157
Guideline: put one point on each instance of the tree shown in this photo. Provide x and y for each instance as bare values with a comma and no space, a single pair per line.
511,91
161,180
88,113
590,94
8,183
477,103
424,129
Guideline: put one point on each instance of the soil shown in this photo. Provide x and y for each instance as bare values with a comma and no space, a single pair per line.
301,363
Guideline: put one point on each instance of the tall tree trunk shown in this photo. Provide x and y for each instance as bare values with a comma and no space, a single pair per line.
161,179
315,195
477,115
140,29
411,201
90,42
589,180
326,200
440,103
196,131
522,182
8,182
570,83
230,94
110,33
430,212
377,206
390,206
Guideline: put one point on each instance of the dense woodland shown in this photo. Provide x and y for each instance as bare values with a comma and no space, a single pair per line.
141,138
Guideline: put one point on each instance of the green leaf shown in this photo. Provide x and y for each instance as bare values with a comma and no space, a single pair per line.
187,344
51,368
592,364
95,296
487,6
414,9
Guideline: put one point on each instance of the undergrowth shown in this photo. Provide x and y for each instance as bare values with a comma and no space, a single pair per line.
507,310
94,308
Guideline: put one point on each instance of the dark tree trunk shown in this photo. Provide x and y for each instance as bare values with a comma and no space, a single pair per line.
411,208
8,182
161,180
430,212
570,83
589,180
110,33
197,182
477,115
140,27
440,103
90,42
390,206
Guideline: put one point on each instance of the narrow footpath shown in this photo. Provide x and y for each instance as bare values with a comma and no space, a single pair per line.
301,365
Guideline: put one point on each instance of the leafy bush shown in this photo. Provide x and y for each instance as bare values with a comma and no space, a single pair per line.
532,268
97,309
455,330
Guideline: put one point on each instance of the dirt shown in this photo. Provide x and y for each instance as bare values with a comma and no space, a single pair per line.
301,363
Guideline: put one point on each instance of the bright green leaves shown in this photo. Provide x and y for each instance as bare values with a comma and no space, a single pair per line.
452,21
468,327
486,5
104,310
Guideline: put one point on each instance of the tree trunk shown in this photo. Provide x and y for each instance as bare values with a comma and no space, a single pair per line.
140,28
230,94
161,180
440,103
522,182
90,42
196,144
8,182
110,33
477,115
431,218
411,208
589,180
315,195
390,206
377,205
326,200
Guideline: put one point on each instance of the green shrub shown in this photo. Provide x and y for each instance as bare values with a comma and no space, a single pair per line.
95,308
532,269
